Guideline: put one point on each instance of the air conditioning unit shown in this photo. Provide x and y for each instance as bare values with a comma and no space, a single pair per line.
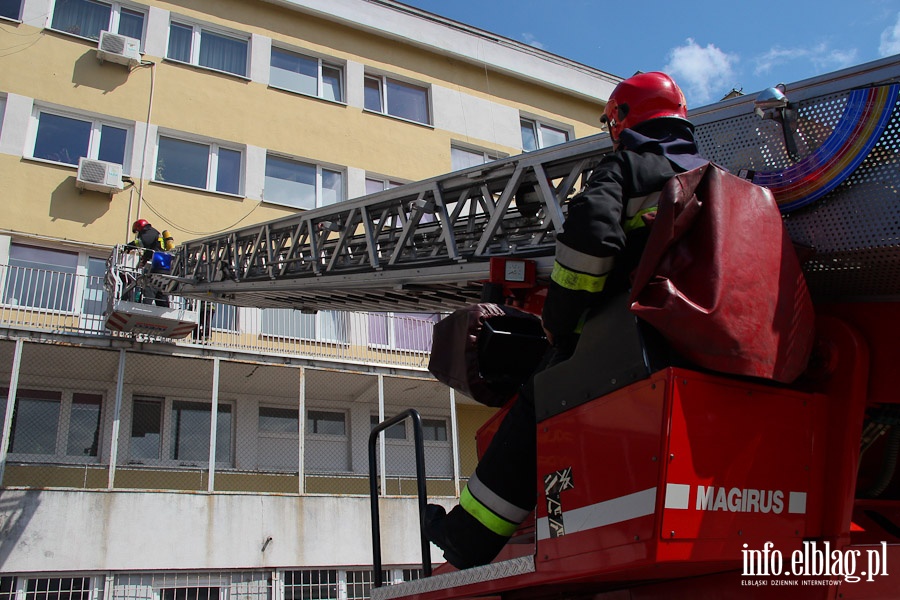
99,176
119,49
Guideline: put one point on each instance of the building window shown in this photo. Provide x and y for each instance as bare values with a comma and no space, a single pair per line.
278,445
311,585
84,425
463,158
65,139
278,420
195,45
95,295
185,434
397,431
41,416
398,99
190,432
207,166
189,593
35,422
359,584
11,9
306,75
434,430
540,135
65,588
379,185
301,185
146,429
40,278
326,423
324,326
407,331
87,18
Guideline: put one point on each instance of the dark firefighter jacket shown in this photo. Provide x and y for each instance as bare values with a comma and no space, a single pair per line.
605,228
151,240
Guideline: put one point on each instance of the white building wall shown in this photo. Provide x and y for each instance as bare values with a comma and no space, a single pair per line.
155,531
470,116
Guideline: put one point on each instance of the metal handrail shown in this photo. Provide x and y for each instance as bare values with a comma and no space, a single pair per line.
420,484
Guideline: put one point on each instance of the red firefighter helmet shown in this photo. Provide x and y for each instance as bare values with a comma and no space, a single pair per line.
643,97
139,225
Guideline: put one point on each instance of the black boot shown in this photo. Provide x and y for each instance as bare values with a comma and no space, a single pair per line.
465,541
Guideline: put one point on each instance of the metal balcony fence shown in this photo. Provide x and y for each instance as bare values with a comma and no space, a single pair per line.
61,302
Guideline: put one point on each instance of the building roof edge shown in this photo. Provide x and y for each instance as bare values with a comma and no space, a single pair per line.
445,36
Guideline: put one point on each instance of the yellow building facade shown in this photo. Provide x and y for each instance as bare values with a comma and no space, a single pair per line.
234,461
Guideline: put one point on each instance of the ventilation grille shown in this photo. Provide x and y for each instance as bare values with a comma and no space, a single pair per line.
114,44
93,171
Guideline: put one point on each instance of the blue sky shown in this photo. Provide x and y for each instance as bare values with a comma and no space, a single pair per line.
709,46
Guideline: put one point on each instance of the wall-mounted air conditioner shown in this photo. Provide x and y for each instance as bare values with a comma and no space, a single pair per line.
99,176
119,49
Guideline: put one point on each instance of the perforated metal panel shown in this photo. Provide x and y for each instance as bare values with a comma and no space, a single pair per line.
113,43
93,171
850,236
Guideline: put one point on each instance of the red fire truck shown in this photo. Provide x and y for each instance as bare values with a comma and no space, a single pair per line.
654,480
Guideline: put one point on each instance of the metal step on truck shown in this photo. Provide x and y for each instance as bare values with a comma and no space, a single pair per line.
655,480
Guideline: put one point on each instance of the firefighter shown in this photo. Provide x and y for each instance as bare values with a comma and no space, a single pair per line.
602,239
151,241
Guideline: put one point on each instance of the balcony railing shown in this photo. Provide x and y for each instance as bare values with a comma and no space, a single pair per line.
68,303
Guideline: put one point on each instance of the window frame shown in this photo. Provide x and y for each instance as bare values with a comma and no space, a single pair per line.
320,178
115,16
391,319
212,165
373,421
197,30
321,64
292,589
486,155
264,436
320,326
538,125
167,428
65,399
320,435
435,442
383,89
95,137
70,281
386,183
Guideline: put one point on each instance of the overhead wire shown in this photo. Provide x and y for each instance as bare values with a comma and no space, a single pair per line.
174,225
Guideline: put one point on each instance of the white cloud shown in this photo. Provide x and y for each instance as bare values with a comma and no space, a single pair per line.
532,41
703,73
821,57
890,39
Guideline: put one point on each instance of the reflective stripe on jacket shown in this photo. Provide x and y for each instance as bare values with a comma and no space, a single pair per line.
593,247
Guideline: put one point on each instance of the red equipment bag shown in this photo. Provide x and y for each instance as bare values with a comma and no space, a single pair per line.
486,351
720,279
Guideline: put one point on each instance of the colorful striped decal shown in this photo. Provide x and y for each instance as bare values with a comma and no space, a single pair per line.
865,117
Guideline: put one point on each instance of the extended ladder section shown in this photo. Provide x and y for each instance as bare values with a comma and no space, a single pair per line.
421,247
828,153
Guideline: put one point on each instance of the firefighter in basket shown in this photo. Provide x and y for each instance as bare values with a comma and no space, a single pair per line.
601,242
154,258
